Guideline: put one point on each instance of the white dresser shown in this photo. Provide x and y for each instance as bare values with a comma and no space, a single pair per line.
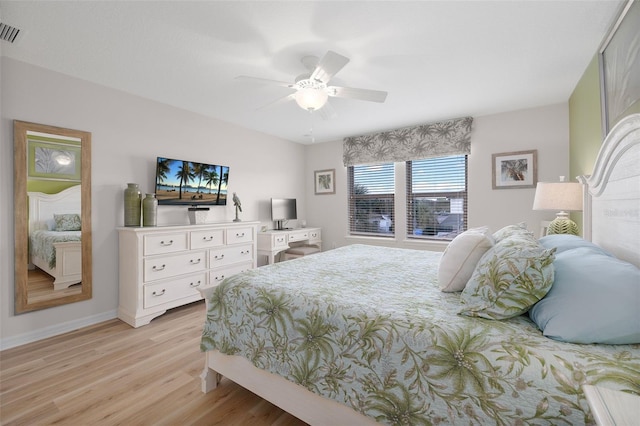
163,267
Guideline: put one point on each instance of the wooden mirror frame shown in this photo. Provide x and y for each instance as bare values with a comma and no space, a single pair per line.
20,172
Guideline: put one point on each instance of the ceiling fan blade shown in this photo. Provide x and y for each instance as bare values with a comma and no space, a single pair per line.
245,78
327,112
280,101
328,66
360,94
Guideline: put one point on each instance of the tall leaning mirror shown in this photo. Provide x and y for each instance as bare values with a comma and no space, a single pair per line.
52,203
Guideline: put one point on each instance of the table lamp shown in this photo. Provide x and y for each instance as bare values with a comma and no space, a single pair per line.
563,196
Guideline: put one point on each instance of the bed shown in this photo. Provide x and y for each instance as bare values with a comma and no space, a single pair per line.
55,235
365,335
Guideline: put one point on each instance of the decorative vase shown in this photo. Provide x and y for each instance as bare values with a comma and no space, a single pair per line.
149,210
132,205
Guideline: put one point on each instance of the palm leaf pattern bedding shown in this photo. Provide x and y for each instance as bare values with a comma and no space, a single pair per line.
368,327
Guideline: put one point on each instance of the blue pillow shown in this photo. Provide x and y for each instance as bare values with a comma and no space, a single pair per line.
564,242
595,298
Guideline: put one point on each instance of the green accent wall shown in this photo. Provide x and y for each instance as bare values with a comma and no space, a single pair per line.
585,122
585,125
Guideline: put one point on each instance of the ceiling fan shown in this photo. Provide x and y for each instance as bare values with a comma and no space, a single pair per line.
312,90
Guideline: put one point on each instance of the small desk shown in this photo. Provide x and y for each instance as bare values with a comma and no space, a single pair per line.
610,407
272,242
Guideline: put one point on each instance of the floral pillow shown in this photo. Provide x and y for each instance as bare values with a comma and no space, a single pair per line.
67,222
510,230
510,278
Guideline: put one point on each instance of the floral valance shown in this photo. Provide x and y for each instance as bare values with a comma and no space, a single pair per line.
451,137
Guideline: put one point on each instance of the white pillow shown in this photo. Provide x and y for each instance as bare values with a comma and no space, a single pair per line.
461,257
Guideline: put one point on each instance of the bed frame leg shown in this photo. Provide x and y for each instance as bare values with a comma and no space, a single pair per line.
210,379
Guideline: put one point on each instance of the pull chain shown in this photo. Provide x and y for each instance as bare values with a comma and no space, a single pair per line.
313,139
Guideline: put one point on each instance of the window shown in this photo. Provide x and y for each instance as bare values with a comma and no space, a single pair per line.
437,197
371,200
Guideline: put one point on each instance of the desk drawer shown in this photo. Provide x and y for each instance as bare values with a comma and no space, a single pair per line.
167,291
315,236
160,267
206,239
165,243
279,240
239,235
298,236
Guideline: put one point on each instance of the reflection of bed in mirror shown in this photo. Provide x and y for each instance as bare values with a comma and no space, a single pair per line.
56,248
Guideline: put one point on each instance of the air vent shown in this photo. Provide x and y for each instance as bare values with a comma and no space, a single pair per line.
8,33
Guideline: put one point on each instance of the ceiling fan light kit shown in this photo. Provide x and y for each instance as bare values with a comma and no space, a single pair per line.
312,92
311,99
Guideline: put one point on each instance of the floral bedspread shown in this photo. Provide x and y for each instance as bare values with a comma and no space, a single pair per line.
368,327
42,243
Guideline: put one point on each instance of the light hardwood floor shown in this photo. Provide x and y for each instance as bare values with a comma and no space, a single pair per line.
113,374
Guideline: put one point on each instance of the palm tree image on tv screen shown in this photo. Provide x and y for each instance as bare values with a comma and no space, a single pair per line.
190,183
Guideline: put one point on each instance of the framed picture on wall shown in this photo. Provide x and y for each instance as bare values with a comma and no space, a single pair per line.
53,161
619,70
515,170
325,181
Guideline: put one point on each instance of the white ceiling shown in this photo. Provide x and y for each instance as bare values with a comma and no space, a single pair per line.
436,59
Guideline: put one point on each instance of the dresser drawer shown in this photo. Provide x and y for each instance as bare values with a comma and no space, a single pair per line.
230,255
160,267
206,239
298,236
216,276
167,291
239,235
165,243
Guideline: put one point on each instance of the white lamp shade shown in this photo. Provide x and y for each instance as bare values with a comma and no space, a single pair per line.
311,99
558,196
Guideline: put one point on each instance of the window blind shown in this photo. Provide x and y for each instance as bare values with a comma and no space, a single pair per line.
371,200
437,197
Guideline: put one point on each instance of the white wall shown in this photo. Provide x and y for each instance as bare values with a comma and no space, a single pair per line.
128,133
545,129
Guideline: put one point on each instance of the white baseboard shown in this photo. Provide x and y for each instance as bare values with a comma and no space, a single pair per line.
43,333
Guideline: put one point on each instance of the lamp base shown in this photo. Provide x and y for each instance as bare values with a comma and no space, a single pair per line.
562,225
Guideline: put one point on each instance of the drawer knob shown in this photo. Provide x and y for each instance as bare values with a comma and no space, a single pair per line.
220,278
159,293
155,268
194,262
240,235
195,284
245,252
208,238
167,243
220,257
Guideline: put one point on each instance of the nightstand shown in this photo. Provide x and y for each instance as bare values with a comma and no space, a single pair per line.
611,407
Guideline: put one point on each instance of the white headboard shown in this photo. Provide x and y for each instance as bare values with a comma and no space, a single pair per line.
43,206
612,193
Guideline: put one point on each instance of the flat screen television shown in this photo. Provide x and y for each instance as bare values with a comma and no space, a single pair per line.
282,210
180,182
